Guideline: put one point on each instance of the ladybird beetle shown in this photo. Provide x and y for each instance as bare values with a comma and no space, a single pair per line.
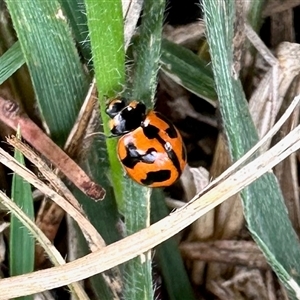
150,147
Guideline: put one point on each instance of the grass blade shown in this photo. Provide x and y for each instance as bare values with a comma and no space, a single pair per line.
264,207
188,70
75,10
169,259
106,36
11,61
254,15
148,49
21,262
52,252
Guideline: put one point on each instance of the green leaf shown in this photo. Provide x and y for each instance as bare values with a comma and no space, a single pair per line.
188,70
22,243
264,208
75,10
57,75
11,61
105,22
103,215
138,271
168,256
148,51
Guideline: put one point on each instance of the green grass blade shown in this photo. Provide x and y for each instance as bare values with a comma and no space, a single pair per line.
75,10
147,49
105,22
21,243
264,207
53,62
168,256
188,70
103,215
11,61
138,271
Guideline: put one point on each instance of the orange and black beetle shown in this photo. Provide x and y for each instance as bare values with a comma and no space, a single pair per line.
150,147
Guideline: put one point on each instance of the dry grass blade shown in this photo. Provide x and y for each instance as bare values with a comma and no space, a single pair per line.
88,230
55,182
184,34
242,253
78,132
131,13
146,239
259,145
286,172
52,252
50,214
273,7
284,70
93,238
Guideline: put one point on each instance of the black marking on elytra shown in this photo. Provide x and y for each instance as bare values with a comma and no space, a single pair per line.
158,176
152,132
133,156
183,153
171,131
